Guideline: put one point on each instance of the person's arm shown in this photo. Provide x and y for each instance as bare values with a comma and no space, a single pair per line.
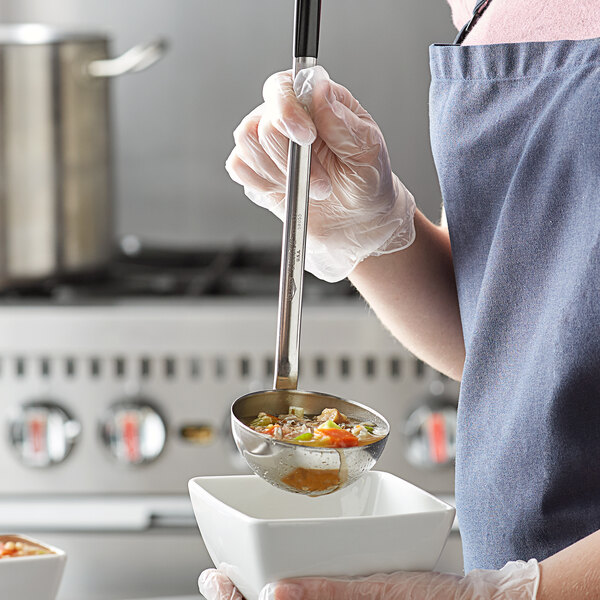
360,221
572,573
413,292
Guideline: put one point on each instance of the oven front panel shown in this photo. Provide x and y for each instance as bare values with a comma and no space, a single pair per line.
143,392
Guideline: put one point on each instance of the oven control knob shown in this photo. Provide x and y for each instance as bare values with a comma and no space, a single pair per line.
431,436
43,434
133,432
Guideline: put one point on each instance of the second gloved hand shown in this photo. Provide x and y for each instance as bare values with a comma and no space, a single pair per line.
358,207
517,580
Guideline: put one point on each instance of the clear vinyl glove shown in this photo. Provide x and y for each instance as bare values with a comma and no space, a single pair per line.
215,585
358,207
515,581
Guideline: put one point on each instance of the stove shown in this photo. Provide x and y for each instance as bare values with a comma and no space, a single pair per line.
143,273
116,391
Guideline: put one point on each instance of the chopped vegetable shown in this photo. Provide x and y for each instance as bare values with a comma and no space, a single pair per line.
332,414
304,437
263,420
269,430
297,411
362,432
340,438
329,425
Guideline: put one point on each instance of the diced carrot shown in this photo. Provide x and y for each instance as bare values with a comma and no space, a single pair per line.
268,430
340,438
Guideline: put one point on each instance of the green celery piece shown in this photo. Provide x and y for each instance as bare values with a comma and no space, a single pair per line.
263,421
329,425
304,437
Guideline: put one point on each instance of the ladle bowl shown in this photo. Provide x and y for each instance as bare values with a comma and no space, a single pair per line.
309,470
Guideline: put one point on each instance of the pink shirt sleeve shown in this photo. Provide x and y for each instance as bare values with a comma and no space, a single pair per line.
529,20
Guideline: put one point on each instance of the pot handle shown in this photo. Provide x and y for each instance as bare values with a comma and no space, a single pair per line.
136,59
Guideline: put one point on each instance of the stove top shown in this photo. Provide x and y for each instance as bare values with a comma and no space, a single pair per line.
139,273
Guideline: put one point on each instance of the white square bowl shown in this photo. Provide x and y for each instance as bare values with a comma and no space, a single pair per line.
31,577
257,533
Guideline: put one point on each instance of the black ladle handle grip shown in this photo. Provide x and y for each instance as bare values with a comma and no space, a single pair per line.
307,22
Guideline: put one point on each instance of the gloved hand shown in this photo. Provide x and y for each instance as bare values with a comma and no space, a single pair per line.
358,207
214,585
515,581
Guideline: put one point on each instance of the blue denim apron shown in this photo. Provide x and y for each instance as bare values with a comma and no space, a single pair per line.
515,131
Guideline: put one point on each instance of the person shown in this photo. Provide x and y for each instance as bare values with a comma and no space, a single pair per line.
503,295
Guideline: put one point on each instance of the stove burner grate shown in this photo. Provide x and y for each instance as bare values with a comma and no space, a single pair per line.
159,272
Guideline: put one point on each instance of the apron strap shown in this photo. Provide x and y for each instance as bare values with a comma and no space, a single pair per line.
479,9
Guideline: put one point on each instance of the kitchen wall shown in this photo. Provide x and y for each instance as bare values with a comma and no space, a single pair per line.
173,123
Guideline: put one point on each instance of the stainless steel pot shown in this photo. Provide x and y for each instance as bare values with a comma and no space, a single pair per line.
55,149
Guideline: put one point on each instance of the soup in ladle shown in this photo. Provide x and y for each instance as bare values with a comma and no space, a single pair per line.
330,429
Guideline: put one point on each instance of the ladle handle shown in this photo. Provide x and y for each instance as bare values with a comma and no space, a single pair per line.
293,249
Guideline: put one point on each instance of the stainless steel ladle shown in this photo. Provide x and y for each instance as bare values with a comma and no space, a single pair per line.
302,469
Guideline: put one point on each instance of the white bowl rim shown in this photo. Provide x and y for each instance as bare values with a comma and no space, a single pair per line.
445,508
54,550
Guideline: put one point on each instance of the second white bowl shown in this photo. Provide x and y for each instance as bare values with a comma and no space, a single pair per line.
31,577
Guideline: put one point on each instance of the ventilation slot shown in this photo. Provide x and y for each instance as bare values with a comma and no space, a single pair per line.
20,367
419,368
370,366
244,366
145,367
195,368
45,367
95,367
269,367
169,367
119,367
70,366
345,367
320,366
220,369
395,370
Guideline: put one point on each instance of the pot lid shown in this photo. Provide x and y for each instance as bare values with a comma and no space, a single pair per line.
38,33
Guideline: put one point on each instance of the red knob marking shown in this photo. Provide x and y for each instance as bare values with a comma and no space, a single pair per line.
36,434
131,437
436,431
